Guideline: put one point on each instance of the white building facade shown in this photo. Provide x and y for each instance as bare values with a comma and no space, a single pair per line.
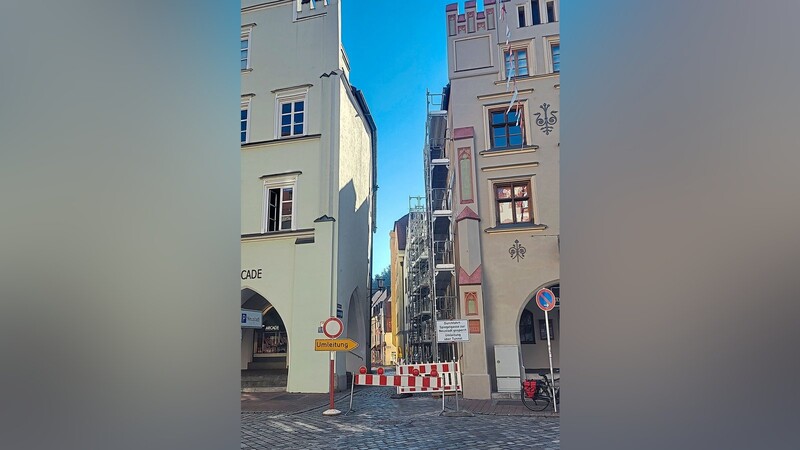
308,180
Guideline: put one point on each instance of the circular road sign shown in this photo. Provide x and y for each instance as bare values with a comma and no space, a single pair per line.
545,299
333,328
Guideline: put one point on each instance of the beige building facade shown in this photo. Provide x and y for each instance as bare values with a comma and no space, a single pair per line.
383,351
397,246
308,181
503,145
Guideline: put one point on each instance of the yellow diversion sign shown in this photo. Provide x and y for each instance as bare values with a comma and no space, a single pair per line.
334,345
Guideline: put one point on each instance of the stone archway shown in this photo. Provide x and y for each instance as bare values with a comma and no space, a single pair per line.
264,351
532,334
356,329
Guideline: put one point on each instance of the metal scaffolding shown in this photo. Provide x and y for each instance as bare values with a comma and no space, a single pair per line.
430,282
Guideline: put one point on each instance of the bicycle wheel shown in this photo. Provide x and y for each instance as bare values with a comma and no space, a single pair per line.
539,401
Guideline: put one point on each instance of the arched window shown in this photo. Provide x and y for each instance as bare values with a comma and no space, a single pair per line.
526,332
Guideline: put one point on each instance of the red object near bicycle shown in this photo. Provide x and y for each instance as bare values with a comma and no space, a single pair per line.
530,388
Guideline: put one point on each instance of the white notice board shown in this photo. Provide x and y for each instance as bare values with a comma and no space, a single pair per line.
250,318
452,331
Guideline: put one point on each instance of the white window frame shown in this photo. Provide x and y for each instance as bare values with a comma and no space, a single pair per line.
245,107
542,18
247,34
291,97
524,16
556,12
513,48
548,53
279,183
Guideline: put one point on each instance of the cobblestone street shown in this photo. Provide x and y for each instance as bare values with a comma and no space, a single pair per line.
381,422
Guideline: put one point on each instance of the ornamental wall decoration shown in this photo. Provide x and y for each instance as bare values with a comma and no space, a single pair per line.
517,251
545,120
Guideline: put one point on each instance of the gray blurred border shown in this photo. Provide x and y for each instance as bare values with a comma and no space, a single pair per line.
119,224
681,205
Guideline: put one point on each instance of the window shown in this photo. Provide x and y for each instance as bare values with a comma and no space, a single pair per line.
555,56
517,63
551,11
244,119
513,202
279,205
521,15
291,116
526,334
245,50
536,12
505,128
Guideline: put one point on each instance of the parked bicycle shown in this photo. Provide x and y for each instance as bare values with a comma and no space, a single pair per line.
537,394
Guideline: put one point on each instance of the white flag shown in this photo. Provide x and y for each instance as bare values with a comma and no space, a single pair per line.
508,34
513,99
510,70
519,115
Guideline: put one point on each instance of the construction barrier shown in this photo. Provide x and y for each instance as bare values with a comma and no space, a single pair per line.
449,372
418,382
431,383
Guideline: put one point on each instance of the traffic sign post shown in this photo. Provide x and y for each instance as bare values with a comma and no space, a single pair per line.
332,328
546,301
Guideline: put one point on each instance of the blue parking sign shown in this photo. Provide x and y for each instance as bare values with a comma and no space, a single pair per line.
545,299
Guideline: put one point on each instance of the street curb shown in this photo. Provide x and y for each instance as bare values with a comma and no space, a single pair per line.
545,416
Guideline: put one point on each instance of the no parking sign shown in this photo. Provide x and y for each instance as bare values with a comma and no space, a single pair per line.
546,299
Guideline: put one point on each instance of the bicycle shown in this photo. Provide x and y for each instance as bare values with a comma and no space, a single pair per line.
536,395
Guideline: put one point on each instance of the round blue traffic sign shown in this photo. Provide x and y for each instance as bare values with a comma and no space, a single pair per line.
545,299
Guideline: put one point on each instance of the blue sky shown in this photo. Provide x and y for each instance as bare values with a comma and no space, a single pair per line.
397,50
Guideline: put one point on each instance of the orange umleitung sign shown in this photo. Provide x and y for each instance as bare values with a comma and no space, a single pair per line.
334,345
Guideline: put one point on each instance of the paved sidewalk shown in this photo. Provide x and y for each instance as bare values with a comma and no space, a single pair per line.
501,407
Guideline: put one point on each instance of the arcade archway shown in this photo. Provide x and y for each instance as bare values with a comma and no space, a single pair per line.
533,334
266,348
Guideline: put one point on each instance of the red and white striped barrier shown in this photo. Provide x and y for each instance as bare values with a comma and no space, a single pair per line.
407,381
448,372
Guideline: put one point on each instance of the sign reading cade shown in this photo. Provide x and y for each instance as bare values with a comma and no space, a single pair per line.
452,331
251,318
251,274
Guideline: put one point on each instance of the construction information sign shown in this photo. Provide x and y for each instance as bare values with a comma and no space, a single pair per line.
452,331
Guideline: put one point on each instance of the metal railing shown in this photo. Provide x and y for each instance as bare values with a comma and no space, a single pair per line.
446,307
438,149
441,199
443,252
